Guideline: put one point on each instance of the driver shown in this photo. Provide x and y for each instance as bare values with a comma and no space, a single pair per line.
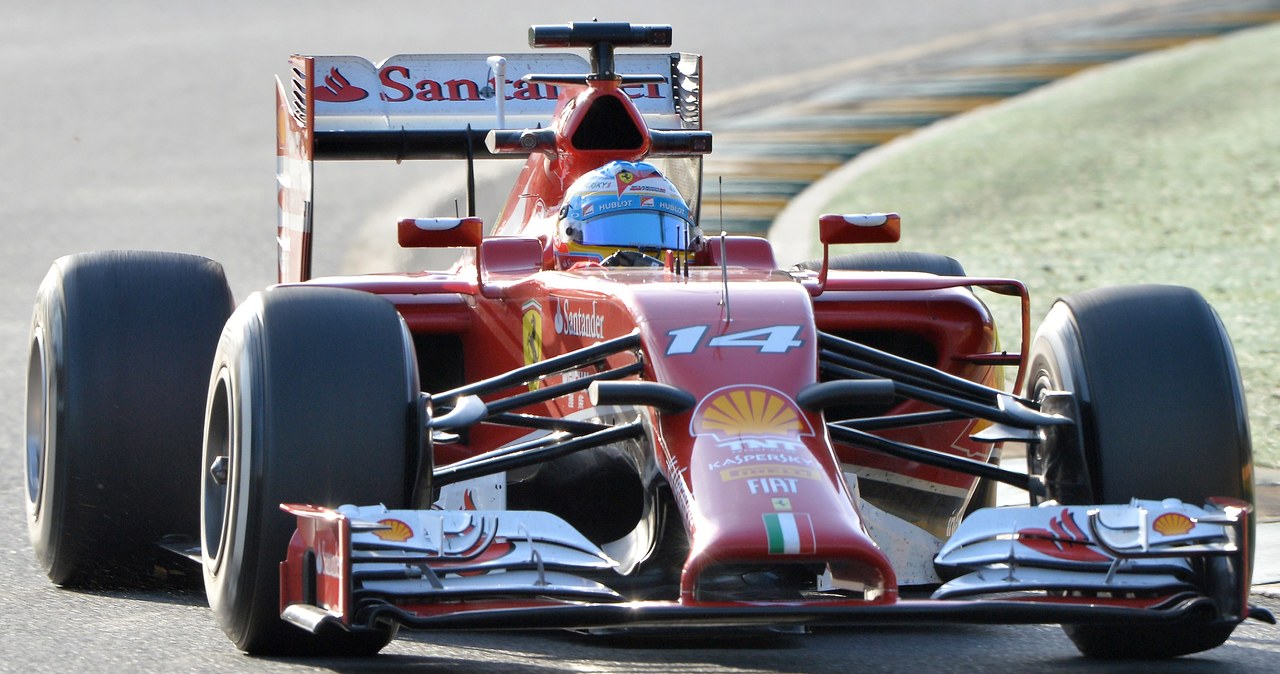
623,214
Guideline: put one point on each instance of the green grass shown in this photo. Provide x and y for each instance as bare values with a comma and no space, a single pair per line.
1161,169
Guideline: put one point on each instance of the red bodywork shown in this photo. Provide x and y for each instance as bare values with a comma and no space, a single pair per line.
747,458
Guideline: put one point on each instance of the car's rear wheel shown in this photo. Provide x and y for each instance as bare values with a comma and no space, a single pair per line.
313,399
119,355
1161,414
891,260
984,493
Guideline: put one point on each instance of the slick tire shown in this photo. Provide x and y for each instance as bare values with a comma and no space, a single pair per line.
1162,414
120,348
891,260
313,400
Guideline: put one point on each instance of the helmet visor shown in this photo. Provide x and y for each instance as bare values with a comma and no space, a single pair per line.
636,229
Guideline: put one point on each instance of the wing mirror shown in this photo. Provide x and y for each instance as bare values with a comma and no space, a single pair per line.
867,228
440,232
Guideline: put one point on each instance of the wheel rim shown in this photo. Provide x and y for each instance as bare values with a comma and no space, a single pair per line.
1041,384
37,425
217,474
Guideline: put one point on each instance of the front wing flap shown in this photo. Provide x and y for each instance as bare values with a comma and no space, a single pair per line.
1142,549
1145,562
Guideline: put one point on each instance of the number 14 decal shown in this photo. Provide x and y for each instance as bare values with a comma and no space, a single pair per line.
773,339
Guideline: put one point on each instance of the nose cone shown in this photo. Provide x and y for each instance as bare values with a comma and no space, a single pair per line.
765,492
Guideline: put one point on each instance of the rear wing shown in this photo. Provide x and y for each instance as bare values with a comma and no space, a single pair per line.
435,106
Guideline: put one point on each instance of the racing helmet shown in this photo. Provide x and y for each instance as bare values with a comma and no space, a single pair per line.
622,206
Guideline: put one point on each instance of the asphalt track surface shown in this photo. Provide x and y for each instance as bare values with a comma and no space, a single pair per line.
148,125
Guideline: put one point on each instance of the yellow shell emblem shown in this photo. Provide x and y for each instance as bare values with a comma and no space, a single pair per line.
396,531
1173,524
749,411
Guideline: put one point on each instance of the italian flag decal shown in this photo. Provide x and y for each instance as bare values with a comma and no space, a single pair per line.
789,533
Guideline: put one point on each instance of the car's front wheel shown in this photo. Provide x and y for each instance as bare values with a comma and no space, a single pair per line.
1161,414
312,400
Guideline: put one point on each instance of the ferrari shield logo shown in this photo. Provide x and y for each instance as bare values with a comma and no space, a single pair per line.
531,322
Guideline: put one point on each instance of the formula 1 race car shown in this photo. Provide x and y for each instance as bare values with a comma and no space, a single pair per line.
603,418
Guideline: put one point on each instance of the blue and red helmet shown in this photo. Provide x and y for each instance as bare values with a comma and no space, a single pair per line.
623,205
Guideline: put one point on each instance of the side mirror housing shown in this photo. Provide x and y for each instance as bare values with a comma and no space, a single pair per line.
868,228
440,232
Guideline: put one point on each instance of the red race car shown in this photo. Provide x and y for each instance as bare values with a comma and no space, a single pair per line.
604,417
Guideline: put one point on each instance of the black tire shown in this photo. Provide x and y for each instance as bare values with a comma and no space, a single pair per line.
313,399
121,344
891,260
1162,414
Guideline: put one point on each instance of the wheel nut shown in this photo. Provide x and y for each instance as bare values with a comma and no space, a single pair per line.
218,470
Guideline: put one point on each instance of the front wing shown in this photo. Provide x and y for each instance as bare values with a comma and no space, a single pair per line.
1149,562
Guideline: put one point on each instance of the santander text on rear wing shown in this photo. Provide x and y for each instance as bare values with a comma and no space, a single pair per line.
436,106
425,106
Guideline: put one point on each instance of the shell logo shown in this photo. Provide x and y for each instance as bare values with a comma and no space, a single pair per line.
1173,524
396,531
737,411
